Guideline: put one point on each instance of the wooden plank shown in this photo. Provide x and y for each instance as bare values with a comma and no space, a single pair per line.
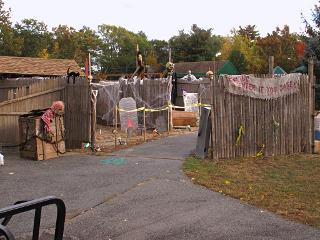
29,96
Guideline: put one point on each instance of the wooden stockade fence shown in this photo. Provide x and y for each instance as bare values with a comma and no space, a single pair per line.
276,126
77,117
41,95
151,92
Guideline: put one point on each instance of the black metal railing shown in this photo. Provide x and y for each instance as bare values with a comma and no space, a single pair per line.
37,204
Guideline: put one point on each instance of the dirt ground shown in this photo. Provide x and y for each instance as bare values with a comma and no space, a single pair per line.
105,138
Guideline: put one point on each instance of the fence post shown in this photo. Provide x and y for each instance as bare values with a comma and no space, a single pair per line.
271,64
311,104
115,125
144,123
212,115
93,96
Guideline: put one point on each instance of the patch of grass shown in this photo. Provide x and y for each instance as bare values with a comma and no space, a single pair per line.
286,185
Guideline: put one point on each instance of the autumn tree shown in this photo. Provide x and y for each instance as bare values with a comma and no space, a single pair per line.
246,49
282,45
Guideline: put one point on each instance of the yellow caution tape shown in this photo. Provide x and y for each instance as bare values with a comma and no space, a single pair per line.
239,136
134,110
163,109
261,151
156,110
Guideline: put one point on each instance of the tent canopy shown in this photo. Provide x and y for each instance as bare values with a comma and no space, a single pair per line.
278,70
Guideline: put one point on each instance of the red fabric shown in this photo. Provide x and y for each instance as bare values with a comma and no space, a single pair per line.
47,117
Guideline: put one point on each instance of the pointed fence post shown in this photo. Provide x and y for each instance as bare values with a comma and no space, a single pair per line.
311,104
271,64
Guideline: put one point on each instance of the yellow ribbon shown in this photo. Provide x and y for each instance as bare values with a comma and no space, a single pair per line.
134,110
156,110
239,136
261,151
163,109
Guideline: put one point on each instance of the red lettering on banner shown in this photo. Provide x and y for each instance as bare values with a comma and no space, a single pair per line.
251,87
261,89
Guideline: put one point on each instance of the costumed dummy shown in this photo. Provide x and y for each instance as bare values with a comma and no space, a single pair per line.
139,72
170,72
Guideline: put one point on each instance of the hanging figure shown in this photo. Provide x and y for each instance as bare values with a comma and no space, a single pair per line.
72,74
139,72
170,72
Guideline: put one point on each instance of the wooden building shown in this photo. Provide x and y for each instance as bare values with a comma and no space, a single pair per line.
22,71
199,69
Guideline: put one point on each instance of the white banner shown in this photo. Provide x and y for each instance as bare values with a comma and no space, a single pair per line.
264,88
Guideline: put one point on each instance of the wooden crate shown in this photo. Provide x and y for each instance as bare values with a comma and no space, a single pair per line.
317,146
35,144
182,118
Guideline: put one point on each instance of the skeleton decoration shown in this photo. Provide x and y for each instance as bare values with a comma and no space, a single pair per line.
210,75
170,68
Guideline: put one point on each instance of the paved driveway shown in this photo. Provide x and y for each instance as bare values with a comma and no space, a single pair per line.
137,193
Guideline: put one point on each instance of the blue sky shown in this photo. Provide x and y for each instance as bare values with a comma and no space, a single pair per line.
162,19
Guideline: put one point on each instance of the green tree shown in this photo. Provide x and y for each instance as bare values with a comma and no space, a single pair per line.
10,45
65,42
312,41
239,61
161,51
35,37
247,47
118,49
312,50
87,41
249,31
198,45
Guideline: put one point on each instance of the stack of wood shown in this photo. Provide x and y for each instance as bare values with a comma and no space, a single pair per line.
182,118
35,142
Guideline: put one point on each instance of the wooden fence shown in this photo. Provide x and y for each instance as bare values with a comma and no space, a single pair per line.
77,115
257,117
150,92
202,87
40,95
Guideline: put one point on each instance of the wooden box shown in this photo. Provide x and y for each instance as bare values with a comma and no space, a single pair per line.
181,118
317,146
35,143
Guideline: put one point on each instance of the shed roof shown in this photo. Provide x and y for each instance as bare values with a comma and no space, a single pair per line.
37,66
197,67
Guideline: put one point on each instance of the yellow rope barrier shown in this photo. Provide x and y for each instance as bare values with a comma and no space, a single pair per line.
260,152
239,136
162,109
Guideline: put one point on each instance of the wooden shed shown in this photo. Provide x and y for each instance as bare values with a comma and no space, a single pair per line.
14,67
22,71
199,69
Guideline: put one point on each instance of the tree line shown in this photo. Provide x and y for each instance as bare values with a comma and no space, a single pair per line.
113,48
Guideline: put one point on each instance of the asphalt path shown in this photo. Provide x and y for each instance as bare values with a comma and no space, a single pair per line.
136,193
